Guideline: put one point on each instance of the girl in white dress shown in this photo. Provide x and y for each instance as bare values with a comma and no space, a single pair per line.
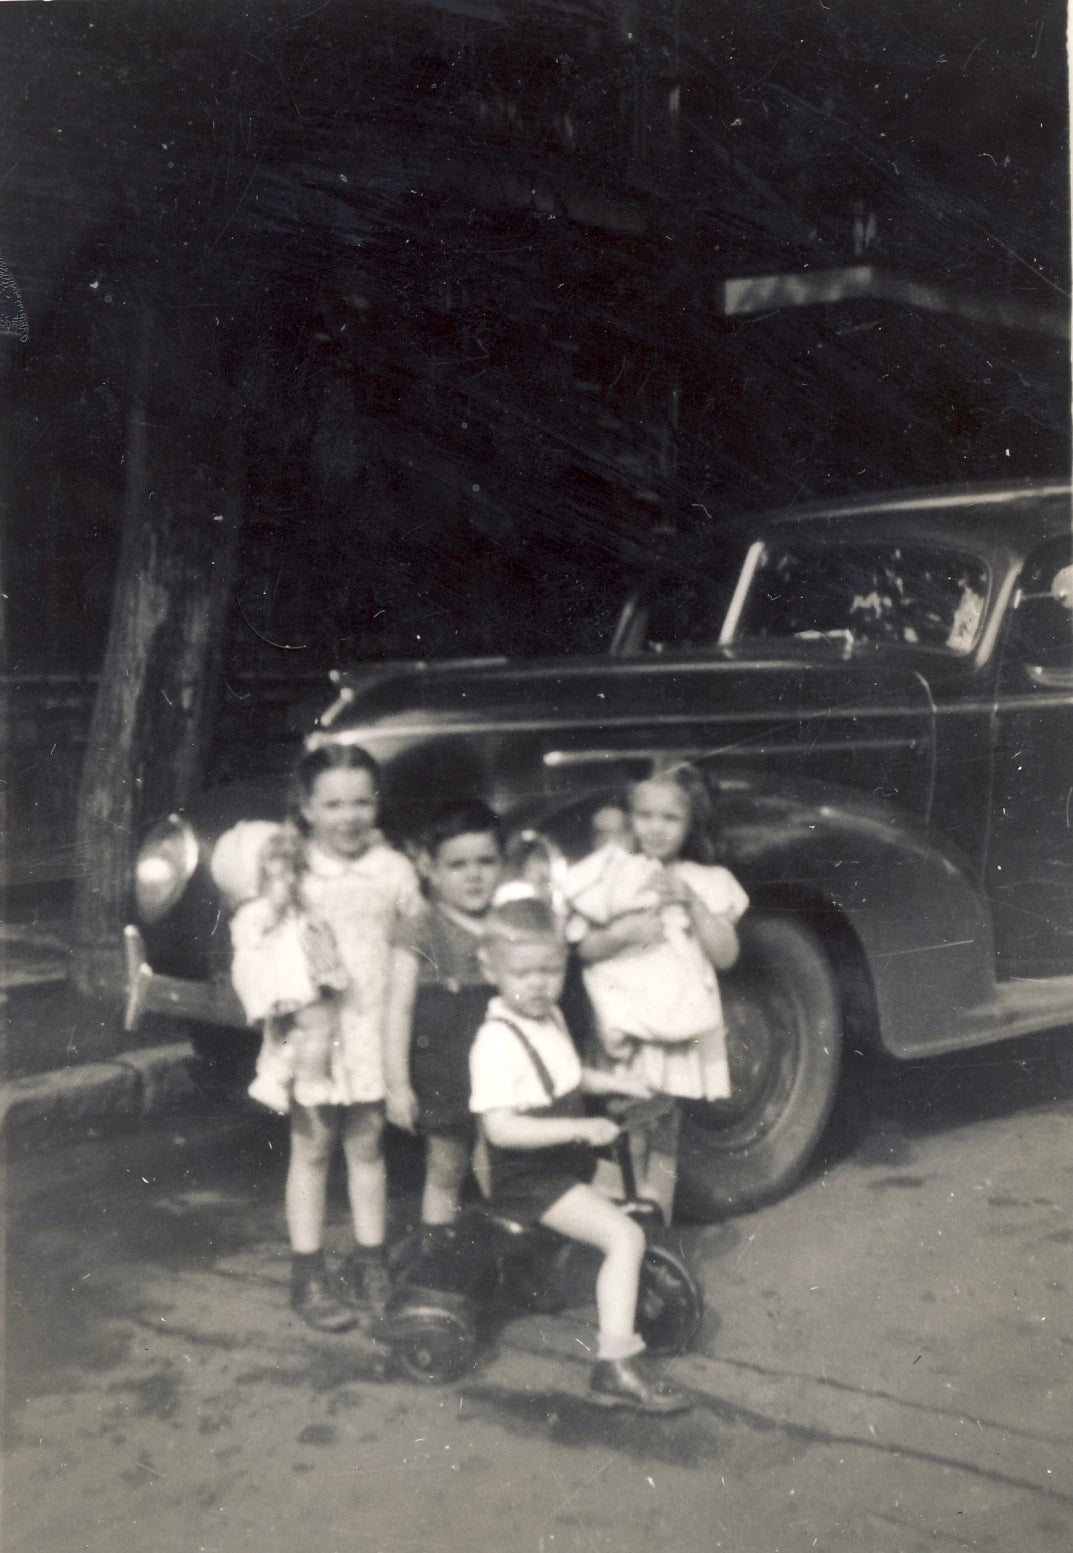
652,928
367,894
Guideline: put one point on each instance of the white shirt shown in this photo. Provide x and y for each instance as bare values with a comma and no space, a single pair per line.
503,1076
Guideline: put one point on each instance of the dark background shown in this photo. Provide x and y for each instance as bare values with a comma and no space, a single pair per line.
465,265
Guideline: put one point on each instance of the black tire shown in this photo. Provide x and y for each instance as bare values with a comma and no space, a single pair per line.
669,1303
784,1038
439,1347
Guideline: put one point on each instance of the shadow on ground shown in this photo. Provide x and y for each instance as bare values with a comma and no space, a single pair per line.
882,1105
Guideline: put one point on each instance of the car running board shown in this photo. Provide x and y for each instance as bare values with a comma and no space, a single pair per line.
1019,1007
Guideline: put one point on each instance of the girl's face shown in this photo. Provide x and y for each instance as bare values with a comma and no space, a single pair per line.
464,872
659,812
341,811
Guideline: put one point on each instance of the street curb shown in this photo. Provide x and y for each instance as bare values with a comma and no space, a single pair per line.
127,1088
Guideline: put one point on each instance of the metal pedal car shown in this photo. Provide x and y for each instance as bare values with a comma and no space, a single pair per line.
433,1324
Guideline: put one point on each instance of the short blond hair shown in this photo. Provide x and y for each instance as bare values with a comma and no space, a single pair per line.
526,921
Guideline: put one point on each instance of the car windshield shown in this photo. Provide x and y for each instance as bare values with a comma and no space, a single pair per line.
911,594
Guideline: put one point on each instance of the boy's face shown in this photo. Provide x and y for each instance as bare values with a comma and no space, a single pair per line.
529,974
463,872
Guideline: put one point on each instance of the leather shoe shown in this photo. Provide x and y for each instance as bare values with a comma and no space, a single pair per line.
365,1283
619,1383
312,1297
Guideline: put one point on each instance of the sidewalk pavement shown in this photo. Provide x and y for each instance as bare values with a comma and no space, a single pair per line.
52,1094
80,1099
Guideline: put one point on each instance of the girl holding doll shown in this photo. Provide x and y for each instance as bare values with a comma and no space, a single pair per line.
362,895
288,974
653,923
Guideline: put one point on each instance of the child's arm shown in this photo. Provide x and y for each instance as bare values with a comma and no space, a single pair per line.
507,1129
716,933
632,930
717,936
402,989
594,1081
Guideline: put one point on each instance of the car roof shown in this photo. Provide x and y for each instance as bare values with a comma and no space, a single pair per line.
1012,514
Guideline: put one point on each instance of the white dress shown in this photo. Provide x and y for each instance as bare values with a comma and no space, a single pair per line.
663,999
368,902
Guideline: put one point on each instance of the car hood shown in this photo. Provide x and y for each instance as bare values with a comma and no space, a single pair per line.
420,697
524,733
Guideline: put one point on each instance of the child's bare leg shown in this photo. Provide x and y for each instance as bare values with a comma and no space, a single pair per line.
616,1381
363,1129
583,1214
618,1054
365,1274
313,1134
446,1168
659,1175
661,1181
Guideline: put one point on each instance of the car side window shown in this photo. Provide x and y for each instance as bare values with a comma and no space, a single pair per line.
683,614
1041,623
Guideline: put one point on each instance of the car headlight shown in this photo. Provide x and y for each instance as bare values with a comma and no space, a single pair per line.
164,868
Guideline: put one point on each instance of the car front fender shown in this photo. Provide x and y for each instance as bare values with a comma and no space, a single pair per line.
192,940
922,926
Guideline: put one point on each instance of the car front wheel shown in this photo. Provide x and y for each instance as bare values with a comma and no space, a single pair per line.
784,1043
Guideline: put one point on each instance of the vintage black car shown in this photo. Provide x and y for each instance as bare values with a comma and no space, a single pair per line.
884,715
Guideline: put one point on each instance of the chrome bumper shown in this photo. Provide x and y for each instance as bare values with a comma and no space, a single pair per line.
209,1002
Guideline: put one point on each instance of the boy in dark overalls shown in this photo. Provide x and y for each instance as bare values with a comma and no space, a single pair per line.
459,860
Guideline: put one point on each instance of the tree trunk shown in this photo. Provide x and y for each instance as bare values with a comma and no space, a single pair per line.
152,720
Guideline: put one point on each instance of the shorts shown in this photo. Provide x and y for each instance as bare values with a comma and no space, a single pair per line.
527,1182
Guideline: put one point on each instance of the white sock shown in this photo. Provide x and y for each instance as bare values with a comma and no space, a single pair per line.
626,1347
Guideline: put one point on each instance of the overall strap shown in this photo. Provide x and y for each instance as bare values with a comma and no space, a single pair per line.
534,1056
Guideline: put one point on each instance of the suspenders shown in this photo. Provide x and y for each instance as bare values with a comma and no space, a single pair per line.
534,1056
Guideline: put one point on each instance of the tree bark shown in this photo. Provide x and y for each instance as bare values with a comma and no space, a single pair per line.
152,720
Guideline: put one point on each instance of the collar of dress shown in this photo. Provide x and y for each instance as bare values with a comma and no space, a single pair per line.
329,865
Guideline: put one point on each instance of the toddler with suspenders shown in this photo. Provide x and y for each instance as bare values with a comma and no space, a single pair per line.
527,1088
